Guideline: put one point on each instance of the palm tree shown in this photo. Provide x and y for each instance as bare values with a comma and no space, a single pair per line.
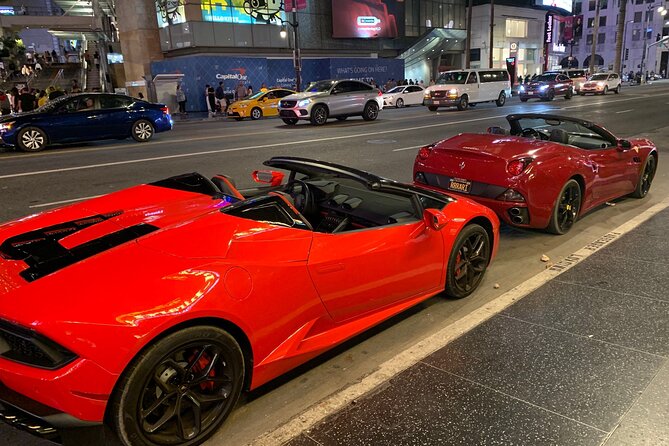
617,67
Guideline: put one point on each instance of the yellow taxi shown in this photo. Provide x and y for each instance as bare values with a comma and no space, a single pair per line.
262,103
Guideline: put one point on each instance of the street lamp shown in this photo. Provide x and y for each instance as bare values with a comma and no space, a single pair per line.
662,11
297,58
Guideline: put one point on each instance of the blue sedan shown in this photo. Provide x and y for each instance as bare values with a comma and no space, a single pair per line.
85,117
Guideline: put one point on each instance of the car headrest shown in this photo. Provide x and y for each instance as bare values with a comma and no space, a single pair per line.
559,135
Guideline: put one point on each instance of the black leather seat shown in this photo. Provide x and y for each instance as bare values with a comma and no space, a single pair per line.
559,135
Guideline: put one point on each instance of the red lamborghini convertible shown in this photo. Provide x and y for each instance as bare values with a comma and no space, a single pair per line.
543,172
152,308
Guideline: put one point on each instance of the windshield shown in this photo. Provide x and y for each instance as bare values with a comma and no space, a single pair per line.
396,90
452,77
599,77
573,74
544,78
257,95
320,86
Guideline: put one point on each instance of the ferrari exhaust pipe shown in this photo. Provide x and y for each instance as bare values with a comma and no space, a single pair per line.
517,219
514,211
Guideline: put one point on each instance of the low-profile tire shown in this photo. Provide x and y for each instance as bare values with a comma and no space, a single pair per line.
432,108
193,374
617,90
31,139
341,118
463,103
142,131
523,99
501,99
566,208
468,261
371,111
319,114
289,121
256,113
646,178
399,103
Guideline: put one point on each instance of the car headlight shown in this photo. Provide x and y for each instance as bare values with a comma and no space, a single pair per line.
543,87
600,84
522,88
453,91
6,126
303,102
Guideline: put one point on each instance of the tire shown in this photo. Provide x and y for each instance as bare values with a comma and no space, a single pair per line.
569,94
617,90
646,178
432,108
566,208
399,103
319,114
463,103
606,90
523,99
341,118
31,139
256,113
467,262
179,370
501,100
371,111
142,131
289,121
551,95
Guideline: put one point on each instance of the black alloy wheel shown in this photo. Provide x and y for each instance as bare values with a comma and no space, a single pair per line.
31,139
256,113
468,261
289,121
501,100
463,103
180,390
319,115
399,103
566,209
646,178
371,111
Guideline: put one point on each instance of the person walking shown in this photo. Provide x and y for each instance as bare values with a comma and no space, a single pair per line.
5,106
240,91
263,87
220,97
211,99
42,98
26,101
181,100
96,60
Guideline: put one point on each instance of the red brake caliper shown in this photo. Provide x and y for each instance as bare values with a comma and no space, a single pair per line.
201,365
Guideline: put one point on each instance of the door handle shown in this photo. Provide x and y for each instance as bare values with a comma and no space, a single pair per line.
331,268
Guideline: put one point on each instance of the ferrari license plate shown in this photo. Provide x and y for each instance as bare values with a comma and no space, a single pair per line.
459,185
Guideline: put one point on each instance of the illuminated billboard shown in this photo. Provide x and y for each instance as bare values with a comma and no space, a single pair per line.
242,11
367,19
564,5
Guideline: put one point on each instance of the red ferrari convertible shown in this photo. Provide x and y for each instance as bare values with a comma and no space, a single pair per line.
152,308
543,172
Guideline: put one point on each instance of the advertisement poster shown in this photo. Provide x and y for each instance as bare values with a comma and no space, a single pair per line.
565,5
367,19
242,11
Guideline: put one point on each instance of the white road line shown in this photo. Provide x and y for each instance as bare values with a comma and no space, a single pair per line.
53,203
427,346
408,148
624,111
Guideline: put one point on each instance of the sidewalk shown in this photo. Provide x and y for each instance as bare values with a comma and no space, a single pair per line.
582,360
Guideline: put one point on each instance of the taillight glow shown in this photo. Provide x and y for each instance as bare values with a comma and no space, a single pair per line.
516,167
165,110
424,152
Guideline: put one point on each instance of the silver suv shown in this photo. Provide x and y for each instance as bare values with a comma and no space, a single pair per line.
332,99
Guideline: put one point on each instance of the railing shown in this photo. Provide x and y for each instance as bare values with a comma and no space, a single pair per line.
56,78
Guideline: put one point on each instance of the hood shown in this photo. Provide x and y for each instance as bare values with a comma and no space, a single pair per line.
305,95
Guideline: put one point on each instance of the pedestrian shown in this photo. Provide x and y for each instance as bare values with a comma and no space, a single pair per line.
421,84
181,100
87,61
14,99
250,91
54,56
5,105
240,91
96,60
26,101
206,98
211,99
25,71
140,96
263,87
220,97
38,67
42,98
431,82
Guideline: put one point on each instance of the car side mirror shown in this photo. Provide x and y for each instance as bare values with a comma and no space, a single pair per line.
434,219
624,144
271,177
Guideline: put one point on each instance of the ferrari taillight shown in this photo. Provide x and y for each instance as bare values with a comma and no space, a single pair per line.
516,167
424,152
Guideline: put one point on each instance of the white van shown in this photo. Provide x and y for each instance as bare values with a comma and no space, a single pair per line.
463,87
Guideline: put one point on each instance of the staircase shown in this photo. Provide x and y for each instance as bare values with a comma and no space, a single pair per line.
93,82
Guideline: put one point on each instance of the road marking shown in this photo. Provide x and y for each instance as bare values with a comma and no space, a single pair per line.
624,111
53,203
408,148
429,345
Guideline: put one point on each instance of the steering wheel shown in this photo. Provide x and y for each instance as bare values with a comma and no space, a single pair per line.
530,132
303,199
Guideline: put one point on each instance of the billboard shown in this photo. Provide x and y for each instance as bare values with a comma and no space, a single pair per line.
565,5
242,11
367,19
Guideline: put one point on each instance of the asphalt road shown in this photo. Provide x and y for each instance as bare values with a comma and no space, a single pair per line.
34,182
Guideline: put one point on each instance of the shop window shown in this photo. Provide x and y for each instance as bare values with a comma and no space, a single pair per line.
475,55
516,28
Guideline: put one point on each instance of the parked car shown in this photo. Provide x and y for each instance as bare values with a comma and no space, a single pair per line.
85,117
153,307
546,86
461,88
403,96
602,83
543,172
332,99
263,103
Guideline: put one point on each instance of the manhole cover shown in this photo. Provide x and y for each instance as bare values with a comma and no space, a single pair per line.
381,141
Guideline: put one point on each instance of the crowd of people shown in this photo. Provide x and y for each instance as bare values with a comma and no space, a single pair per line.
28,99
